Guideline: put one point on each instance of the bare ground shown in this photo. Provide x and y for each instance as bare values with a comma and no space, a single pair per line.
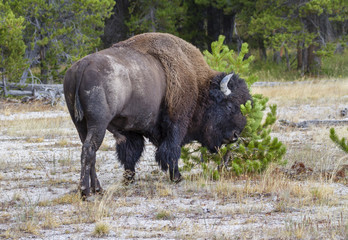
39,172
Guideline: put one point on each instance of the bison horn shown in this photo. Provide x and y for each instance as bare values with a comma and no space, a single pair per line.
223,84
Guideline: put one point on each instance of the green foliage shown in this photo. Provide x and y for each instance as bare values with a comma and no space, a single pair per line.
336,66
283,24
155,16
225,60
342,143
60,31
12,47
255,149
226,6
333,66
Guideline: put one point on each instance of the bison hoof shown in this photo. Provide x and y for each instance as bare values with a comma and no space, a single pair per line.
98,191
128,177
85,195
176,179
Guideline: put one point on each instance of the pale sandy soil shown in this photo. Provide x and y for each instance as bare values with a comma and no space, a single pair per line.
39,172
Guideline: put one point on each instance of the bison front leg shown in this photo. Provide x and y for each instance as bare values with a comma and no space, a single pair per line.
167,157
168,154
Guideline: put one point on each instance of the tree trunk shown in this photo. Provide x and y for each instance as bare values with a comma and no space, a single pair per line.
287,58
276,57
214,23
262,49
43,65
4,83
228,27
299,55
239,40
311,56
304,61
30,55
115,29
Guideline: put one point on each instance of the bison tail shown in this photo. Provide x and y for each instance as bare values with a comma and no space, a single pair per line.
78,107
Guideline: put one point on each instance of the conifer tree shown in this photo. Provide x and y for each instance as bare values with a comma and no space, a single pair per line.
156,16
342,143
12,46
60,31
256,148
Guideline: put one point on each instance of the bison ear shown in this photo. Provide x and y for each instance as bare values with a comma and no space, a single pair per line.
216,95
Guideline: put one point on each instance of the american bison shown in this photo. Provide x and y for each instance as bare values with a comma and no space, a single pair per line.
153,85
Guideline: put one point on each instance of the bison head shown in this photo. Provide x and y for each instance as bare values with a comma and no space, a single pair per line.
223,121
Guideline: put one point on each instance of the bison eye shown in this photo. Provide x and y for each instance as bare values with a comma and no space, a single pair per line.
230,107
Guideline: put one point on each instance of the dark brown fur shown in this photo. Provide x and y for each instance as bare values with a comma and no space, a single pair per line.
185,68
152,85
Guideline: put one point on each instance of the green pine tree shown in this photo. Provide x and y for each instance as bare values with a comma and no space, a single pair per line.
12,47
342,143
156,16
255,149
60,32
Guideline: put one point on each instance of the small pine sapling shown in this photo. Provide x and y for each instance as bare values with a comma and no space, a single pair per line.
256,148
341,143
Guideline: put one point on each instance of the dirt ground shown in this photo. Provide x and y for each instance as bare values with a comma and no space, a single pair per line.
305,199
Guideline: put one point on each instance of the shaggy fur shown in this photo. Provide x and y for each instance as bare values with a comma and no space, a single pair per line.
185,68
152,85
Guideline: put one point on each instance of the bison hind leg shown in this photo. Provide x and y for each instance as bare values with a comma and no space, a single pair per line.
129,150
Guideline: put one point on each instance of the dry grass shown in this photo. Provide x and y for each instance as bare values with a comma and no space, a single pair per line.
51,221
43,128
101,229
7,108
41,178
318,91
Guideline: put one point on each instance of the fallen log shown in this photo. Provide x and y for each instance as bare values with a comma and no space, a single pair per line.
31,87
52,93
19,93
307,123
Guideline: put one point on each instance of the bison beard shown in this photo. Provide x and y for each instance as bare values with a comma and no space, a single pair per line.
153,85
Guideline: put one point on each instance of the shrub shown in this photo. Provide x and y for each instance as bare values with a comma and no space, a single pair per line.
255,149
341,143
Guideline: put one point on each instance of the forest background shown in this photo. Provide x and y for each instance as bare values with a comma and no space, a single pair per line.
291,39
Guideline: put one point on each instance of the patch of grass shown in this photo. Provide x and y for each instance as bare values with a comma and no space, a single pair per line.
65,199
30,227
105,147
322,194
164,215
163,190
51,221
270,71
8,108
65,162
101,229
5,217
10,233
46,127
17,196
34,140
335,66
308,91
62,143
